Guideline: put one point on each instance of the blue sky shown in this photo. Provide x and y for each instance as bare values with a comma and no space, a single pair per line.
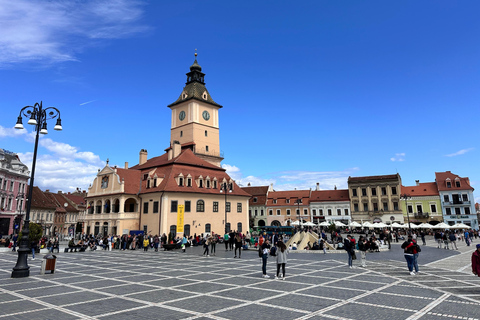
313,91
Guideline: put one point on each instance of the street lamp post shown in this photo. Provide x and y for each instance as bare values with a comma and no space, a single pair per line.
406,197
225,189
299,212
37,117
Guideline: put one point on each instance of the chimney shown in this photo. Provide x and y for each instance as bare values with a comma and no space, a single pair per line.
143,156
126,165
249,184
335,188
318,187
417,182
177,148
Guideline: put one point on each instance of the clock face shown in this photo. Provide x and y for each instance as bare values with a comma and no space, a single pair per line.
181,116
206,115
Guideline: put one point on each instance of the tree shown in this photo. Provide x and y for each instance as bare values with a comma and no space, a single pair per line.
35,232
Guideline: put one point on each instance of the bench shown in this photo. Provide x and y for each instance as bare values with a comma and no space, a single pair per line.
71,249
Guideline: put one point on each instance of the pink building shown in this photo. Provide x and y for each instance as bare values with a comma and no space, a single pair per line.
14,177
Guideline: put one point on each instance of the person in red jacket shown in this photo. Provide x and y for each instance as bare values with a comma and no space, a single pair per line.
476,261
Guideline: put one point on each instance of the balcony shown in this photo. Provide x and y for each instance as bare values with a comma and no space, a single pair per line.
421,215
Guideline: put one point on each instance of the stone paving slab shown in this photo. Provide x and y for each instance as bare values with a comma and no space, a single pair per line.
173,285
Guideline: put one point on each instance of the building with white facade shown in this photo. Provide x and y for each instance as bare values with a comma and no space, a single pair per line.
456,196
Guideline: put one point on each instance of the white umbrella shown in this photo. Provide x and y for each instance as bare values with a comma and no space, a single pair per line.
367,224
379,225
460,226
397,225
309,224
295,223
324,224
355,224
425,225
441,226
339,224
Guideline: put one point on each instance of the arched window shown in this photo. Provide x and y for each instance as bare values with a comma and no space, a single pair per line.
208,228
200,206
173,230
239,227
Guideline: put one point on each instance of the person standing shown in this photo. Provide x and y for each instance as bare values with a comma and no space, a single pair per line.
213,244
363,247
410,248
265,251
476,261
467,238
226,239
231,240
238,245
281,259
14,239
146,243
349,247
445,241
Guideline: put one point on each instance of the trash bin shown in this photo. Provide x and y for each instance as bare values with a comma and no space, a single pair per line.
48,263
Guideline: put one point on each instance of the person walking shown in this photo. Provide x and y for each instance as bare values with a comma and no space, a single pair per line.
265,251
238,245
453,240
363,247
476,261
231,241
205,246
445,241
410,248
467,238
282,252
349,247
33,246
422,235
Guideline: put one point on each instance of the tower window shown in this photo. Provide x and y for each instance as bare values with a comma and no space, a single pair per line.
181,134
206,135
206,148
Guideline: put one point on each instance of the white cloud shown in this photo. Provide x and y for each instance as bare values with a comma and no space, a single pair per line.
62,167
398,157
55,31
460,152
290,180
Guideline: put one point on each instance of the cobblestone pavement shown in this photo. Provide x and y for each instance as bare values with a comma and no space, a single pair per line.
176,285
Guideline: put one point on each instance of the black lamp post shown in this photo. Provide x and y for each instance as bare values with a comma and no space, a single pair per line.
37,117
299,213
224,188
406,197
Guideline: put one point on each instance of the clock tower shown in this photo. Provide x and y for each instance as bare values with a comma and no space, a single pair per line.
195,118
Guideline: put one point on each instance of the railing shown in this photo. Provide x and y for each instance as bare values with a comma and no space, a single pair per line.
421,215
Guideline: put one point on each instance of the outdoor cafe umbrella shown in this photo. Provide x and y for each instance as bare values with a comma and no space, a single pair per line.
441,226
425,225
324,224
309,224
379,225
355,224
460,226
295,223
339,224
397,225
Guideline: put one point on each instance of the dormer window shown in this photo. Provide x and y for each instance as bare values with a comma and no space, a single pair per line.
148,184
214,184
189,182
180,182
154,182
255,199
204,96
145,176
457,183
208,183
184,95
274,201
287,200
449,184
200,183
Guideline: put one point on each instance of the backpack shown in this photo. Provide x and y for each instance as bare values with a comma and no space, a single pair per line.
273,251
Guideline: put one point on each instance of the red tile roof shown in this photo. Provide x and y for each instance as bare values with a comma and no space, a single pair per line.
256,191
441,180
39,200
423,189
78,200
131,178
329,195
60,202
185,157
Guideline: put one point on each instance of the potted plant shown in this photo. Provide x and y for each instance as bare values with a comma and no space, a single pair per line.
35,234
